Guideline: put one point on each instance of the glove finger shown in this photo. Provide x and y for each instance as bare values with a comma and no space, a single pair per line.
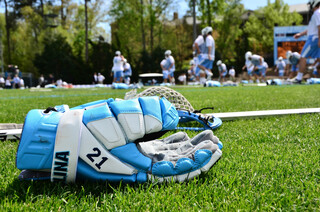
207,135
179,144
172,152
150,148
176,138
182,160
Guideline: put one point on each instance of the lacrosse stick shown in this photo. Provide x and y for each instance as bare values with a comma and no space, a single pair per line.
185,110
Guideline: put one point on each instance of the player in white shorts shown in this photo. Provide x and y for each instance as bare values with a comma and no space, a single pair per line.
280,67
206,62
292,63
191,75
165,71
260,72
199,48
118,67
263,71
222,70
248,65
170,63
127,72
257,61
312,46
232,74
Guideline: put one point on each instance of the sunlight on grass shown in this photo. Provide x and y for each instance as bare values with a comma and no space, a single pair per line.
267,164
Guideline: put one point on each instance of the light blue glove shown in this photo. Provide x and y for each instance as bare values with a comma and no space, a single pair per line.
95,141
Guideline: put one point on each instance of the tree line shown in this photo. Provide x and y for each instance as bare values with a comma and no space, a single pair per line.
65,37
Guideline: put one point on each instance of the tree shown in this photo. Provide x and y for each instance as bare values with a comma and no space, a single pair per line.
27,39
86,28
57,59
229,31
9,25
209,10
100,58
156,8
260,26
137,29
78,21
142,25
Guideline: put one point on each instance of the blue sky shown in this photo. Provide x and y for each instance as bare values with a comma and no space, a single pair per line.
254,4
248,4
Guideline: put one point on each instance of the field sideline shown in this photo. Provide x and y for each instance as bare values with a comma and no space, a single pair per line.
267,164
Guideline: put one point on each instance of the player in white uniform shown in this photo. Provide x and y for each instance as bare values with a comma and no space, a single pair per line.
195,61
263,71
209,53
292,63
95,78
2,81
170,66
165,71
118,67
312,46
127,71
259,71
232,74
100,78
257,61
206,62
16,81
248,65
222,70
280,67
191,75
199,48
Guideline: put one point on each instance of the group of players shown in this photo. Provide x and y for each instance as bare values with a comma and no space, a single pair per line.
204,56
201,65
168,67
291,66
295,65
256,66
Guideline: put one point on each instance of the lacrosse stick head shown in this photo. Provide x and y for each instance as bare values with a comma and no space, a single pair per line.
185,110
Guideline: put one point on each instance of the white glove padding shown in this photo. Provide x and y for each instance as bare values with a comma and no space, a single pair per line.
180,156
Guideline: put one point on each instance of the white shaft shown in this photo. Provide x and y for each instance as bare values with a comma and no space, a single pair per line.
13,134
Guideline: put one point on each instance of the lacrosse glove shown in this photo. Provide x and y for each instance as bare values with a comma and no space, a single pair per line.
96,141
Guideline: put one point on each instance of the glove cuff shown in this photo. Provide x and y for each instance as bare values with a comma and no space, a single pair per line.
36,146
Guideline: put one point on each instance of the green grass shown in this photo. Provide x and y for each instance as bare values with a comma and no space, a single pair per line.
267,164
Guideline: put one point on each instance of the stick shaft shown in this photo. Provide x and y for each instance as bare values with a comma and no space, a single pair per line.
262,113
10,134
14,130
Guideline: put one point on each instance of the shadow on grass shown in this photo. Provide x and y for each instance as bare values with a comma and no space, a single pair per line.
22,191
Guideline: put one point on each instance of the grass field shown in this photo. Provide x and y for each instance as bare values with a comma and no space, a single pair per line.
267,164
